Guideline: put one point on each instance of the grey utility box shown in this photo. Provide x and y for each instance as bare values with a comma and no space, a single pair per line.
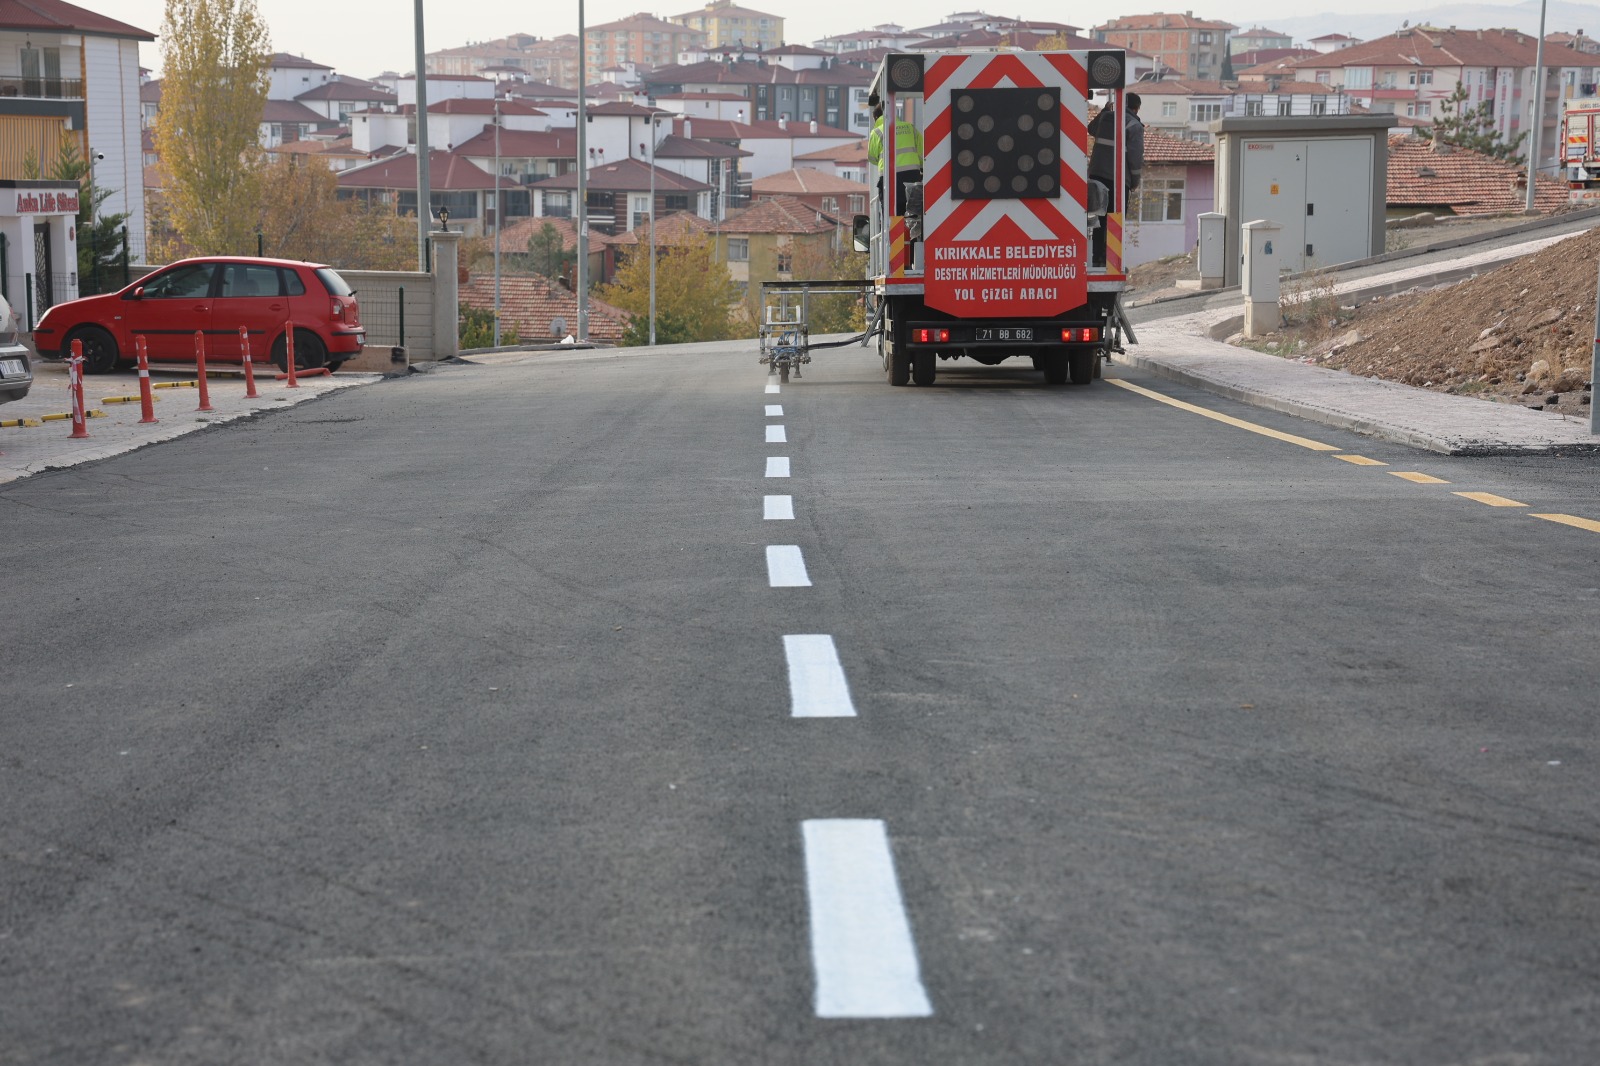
1322,178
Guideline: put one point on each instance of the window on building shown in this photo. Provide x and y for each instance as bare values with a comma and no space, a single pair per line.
1420,77
1319,107
1285,106
738,249
785,260
1161,200
556,204
858,203
1205,37
676,202
1253,107
1169,109
1420,109
1204,112
1322,77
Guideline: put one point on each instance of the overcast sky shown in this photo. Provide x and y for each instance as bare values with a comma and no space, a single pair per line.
382,36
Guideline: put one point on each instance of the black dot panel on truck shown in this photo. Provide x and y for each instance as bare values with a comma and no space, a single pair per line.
1005,144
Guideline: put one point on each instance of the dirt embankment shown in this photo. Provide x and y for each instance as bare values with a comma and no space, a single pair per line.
1520,333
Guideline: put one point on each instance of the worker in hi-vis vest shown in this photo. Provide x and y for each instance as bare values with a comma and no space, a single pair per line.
907,154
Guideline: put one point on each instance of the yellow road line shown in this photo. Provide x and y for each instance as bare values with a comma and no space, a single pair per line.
1420,479
1218,416
1491,499
1568,520
1360,460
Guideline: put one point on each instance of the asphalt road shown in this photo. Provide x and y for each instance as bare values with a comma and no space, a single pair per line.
452,720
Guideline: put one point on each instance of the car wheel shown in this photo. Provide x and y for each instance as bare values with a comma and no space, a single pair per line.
99,349
309,352
334,364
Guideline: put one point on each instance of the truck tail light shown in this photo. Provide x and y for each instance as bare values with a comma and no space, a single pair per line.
1080,334
931,336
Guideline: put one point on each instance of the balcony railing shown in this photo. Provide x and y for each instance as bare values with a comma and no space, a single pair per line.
41,88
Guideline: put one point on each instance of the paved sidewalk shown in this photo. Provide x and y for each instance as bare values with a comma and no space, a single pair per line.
1178,345
33,449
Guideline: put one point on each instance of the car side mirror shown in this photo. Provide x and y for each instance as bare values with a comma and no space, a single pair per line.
137,294
861,233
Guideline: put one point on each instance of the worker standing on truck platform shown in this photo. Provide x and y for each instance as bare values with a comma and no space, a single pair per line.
907,155
1103,160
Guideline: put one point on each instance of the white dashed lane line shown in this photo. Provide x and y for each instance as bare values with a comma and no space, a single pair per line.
777,466
777,508
786,567
777,435
817,688
774,410
772,386
861,944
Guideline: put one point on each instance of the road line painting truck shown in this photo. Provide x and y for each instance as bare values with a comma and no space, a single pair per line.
988,257
1580,136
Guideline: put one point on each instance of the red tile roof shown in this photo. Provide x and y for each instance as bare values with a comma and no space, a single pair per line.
515,235
1465,182
675,228
675,147
523,144
625,175
447,172
56,15
530,302
1429,47
781,214
1162,147
803,181
855,152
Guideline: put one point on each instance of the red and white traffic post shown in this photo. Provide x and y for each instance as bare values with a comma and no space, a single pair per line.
249,368
288,348
147,409
200,371
80,427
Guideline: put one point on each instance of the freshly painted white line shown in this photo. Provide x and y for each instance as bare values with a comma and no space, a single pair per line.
772,386
777,466
861,945
777,435
786,567
777,507
817,687
774,410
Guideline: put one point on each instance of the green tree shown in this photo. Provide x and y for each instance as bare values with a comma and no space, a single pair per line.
214,56
1473,127
477,328
302,217
547,252
692,289
99,236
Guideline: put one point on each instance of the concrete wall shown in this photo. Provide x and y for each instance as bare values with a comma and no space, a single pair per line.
378,292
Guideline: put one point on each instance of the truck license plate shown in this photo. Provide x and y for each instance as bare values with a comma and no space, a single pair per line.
1005,333
11,367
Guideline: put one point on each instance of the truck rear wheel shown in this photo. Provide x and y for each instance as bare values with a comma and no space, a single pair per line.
924,367
899,367
1054,365
1082,363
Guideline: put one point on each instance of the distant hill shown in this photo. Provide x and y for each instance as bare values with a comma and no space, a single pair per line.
1560,16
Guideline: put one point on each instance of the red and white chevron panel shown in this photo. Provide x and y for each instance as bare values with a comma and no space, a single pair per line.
1008,257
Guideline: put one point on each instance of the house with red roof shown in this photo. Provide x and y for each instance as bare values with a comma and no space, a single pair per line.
1179,183
1413,71
1427,175
827,193
766,240
619,195
542,309
843,161
834,94
67,63
454,184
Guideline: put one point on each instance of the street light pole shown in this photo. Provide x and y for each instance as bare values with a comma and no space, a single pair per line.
497,204
1538,112
652,228
424,192
582,217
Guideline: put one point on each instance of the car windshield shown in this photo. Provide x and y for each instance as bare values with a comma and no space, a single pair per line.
189,281
333,282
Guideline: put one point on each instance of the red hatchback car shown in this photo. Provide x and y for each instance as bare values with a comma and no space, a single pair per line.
215,295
